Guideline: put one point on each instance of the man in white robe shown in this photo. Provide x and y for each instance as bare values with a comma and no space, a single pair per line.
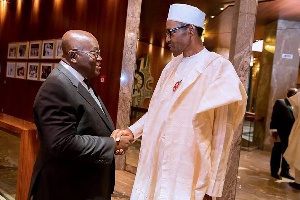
292,153
187,132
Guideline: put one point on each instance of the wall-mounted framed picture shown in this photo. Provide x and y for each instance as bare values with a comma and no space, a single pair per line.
48,48
10,69
55,65
45,70
33,71
21,68
35,49
58,49
12,50
22,50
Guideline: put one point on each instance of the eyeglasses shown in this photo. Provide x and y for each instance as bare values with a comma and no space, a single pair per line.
169,32
95,54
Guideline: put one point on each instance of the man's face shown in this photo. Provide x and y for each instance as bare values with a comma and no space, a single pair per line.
177,40
89,59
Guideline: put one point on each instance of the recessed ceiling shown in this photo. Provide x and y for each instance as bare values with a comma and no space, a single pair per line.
154,14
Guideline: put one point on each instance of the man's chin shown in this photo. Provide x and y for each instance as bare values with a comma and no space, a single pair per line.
175,54
97,73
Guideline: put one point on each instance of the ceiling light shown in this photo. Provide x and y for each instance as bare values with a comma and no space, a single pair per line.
258,46
212,16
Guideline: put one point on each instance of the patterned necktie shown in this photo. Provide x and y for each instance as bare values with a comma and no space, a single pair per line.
89,85
91,91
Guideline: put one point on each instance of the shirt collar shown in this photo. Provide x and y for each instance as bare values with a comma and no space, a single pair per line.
75,73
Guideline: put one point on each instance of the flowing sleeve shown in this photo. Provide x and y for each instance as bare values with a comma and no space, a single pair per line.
224,102
216,130
220,147
295,102
138,126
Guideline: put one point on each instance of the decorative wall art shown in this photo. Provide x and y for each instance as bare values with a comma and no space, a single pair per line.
12,50
48,49
33,71
22,50
35,49
21,68
45,70
58,49
55,65
10,69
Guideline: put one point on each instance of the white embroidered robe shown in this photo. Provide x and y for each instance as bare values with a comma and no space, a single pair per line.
187,133
292,153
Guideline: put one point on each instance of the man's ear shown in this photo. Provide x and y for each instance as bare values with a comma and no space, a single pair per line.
72,56
192,30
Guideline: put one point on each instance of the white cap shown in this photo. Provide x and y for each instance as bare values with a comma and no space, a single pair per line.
186,14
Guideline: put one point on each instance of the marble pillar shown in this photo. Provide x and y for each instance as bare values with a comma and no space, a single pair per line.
242,35
127,71
278,73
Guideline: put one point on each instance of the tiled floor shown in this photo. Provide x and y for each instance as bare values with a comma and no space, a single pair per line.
254,180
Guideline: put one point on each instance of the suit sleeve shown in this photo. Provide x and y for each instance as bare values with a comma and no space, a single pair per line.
275,118
57,118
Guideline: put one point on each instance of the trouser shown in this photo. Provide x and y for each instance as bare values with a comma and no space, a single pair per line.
277,159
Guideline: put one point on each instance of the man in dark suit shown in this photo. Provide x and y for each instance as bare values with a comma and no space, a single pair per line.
281,125
77,137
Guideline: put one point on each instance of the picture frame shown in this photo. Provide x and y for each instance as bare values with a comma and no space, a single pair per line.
45,70
21,69
55,65
58,49
10,69
22,50
35,49
48,49
12,50
33,71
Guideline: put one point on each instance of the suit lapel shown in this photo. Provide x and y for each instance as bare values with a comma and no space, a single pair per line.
88,97
105,111
289,106
68,74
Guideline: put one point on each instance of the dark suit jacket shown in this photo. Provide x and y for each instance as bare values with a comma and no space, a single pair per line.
282,119
76,157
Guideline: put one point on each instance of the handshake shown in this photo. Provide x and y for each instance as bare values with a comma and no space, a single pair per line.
123,139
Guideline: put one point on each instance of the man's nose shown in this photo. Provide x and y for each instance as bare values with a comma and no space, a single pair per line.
99,58
168,38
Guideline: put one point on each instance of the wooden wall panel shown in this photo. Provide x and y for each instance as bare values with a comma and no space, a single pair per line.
159,58
43,19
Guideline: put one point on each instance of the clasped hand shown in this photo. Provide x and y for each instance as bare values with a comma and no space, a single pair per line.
123,139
